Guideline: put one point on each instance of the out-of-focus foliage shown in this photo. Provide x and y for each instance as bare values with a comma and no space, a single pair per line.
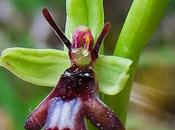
22,25
172,4
32,6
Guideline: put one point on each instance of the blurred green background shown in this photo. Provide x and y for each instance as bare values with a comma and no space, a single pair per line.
152,102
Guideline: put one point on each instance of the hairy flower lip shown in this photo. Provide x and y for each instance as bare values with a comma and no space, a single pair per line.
91,107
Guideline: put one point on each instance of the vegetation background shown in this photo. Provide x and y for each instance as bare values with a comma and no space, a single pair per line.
152,99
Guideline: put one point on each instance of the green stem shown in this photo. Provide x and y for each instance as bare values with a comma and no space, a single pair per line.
142,20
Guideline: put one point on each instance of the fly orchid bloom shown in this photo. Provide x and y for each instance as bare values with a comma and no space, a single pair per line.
75,96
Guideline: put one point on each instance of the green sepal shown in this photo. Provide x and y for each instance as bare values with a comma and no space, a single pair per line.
43,67
84,12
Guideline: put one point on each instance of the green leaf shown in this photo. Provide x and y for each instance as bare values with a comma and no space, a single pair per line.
143,18
44,67
141,22
84,12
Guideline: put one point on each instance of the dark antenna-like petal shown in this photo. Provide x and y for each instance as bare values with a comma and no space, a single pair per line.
55,27
100,39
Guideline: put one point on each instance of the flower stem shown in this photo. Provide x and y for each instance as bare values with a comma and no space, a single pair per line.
141,22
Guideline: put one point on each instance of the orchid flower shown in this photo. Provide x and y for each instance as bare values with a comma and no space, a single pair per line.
75,97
